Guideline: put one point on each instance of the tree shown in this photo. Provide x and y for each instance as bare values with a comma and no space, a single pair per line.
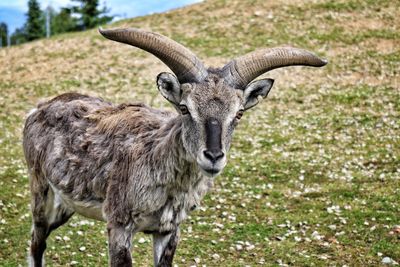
63,21
34,27
90,14
19,36
3,34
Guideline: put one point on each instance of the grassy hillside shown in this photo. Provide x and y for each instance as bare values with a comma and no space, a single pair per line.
314,173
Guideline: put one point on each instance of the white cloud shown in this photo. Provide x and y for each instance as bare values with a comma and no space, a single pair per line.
55,3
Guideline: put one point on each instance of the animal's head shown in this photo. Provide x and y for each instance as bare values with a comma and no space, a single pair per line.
211,101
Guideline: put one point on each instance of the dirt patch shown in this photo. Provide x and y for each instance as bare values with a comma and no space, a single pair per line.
386,46
356,23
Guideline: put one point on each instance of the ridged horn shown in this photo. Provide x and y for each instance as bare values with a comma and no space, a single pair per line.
242,70
186,66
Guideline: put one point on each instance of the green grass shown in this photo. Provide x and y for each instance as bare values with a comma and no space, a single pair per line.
351,5
313,177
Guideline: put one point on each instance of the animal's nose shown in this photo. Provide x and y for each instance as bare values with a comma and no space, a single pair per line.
213,155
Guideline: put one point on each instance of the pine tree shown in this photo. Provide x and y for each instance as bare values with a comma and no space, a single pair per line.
34,27
63,21
19,36
90,14
3,34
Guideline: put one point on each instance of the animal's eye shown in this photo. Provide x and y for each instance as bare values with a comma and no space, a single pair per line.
184,110
239,114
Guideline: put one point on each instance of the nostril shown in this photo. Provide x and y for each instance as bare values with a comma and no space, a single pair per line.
219,155
208,155
213,155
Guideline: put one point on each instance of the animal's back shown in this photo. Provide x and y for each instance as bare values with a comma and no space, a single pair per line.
68,138
53,136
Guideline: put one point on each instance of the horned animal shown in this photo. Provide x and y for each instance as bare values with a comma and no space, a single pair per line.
137,168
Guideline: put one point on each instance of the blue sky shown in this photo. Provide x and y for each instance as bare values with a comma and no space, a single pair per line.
13,12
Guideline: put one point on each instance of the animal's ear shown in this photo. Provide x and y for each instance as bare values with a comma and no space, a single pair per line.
255,90
169,87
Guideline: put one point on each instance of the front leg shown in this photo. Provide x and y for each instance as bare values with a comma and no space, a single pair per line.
164,246
119,245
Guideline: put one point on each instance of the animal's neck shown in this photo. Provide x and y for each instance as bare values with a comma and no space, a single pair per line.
170,154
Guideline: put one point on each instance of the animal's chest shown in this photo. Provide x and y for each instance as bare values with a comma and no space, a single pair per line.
174,208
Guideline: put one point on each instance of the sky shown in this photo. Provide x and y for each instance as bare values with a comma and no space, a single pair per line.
13,12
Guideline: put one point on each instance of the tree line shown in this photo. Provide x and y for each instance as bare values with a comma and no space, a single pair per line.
83,15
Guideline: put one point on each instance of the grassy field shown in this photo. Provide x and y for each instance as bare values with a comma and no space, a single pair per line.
314,173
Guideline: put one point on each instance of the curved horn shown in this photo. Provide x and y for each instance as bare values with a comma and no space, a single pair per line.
186,66
241,71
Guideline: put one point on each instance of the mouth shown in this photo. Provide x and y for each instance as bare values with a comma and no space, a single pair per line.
208,168
210,172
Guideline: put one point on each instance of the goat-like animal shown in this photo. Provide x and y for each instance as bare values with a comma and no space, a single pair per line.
137,168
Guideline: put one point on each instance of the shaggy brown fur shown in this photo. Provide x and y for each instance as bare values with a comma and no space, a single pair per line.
84,150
